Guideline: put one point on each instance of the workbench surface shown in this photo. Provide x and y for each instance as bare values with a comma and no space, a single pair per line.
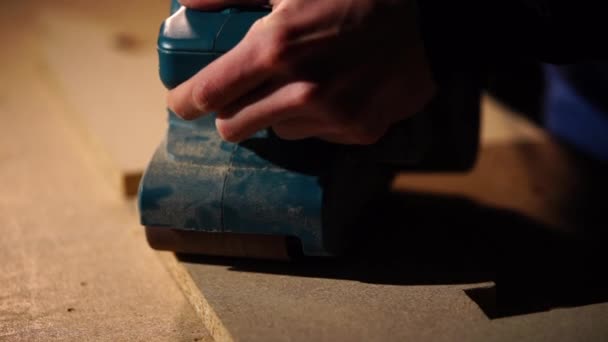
75,263
508,252
496,254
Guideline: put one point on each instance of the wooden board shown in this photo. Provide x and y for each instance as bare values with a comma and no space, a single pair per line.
442,250
101,60
484,256
75,264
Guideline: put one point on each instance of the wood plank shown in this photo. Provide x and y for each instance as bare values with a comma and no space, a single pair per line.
472,257
75,264
101,60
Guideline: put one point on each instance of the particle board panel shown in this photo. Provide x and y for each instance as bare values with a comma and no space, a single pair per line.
75,265
491,255
325,302
100,58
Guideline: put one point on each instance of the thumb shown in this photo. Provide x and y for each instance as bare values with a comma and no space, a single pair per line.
218,4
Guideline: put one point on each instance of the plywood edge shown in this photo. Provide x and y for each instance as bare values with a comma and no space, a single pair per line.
195,297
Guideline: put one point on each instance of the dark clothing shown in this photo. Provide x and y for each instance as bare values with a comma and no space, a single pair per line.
469,33
569,37
590,80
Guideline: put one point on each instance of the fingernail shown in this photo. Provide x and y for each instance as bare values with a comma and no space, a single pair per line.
180,110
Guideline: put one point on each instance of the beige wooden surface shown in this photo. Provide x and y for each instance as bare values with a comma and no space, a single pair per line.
101,60
75,265
433,260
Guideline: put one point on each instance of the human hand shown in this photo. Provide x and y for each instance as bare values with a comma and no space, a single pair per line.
340,70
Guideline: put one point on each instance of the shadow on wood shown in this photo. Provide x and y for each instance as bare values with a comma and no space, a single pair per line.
417,238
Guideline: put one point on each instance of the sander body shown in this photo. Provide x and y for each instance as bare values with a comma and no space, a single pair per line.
270,198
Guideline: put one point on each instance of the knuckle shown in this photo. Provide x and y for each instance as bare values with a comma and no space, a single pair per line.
274,49
257,26
203,96
304,93
275,52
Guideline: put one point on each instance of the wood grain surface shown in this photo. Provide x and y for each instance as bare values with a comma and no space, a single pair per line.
513,250
75,264
101,61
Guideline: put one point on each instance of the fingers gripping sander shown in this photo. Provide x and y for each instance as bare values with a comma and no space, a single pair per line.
266,197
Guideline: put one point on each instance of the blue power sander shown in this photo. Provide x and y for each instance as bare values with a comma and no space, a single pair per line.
270,198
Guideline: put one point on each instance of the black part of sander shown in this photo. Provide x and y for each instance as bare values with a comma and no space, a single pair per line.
254,246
